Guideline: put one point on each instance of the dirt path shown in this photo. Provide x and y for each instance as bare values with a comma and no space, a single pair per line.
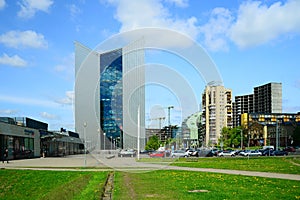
128,184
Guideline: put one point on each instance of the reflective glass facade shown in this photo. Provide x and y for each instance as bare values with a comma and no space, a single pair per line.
111,109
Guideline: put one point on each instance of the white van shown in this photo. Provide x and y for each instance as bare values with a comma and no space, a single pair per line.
268,147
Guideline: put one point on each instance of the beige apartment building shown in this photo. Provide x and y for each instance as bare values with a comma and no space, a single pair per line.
217,112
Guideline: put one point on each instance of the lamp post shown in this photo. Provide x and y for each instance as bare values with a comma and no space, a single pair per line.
111,142
104,140
84,133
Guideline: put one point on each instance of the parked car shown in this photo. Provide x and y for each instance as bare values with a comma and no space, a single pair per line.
127,153
157,154
226,153
251,153
189,152
179,154
268,152
206,153
280,153
290,149
146,151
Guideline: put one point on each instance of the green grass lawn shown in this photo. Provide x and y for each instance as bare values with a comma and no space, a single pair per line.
160,184
288,165
180,184
31,184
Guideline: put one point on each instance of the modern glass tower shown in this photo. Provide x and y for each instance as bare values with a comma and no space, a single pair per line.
109,96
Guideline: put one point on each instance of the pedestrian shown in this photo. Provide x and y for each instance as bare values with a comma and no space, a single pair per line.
5,155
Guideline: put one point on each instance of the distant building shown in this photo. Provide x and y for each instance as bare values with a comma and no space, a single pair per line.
217,112
21,136
191,126
28,138
242,104
266,99
263,127
109,94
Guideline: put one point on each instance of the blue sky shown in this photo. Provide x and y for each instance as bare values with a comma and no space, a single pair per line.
251,43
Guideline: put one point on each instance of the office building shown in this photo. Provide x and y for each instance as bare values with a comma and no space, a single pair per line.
266,99
109,96
275,129
217,112
242,104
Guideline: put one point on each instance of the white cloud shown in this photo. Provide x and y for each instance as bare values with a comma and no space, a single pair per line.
74,11
257,23
2,4
68,99
15,61
30,7
8,112
46,115
179,3
216,29
19,39
144,14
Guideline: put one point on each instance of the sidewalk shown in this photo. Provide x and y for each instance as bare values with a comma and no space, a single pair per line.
91,163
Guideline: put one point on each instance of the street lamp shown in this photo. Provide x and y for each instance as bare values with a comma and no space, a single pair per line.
111,142
84,133
104,140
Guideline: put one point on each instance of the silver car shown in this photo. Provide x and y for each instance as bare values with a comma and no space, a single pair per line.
127,153
179,154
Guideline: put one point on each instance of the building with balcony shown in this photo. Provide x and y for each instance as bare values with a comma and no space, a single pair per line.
265,99
216,112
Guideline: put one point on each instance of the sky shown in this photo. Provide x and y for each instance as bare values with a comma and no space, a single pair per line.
251,43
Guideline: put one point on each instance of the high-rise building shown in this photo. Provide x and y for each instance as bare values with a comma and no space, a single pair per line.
110,96
217,111
268,98
242,104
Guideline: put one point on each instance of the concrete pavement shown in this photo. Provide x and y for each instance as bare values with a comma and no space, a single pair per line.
103,162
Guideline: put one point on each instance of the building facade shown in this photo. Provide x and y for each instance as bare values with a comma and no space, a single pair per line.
21,137
242,104
270,128
28,138
216,112
266,99
110,96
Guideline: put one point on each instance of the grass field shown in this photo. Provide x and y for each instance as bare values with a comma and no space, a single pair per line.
161,184
197,185
288,165
30,184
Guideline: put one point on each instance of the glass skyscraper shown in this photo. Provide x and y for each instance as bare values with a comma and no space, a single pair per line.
109,94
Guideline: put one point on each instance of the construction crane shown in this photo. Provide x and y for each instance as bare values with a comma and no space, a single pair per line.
169,114
160,120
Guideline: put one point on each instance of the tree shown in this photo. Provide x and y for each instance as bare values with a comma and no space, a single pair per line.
231,137
153,143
